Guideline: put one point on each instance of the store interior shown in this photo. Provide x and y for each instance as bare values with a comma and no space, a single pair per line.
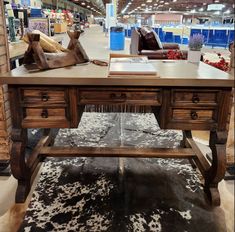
76,38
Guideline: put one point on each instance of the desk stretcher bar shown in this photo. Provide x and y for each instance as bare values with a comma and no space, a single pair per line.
117,152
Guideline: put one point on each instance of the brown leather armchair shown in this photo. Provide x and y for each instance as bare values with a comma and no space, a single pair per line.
145,41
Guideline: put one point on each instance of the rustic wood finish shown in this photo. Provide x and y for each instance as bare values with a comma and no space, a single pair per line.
40,101
195,97
217,170
43,96
117,152
200,159
127,96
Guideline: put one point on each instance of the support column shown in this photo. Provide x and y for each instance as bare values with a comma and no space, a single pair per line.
5,118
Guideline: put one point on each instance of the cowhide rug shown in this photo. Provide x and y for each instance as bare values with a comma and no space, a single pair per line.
94,194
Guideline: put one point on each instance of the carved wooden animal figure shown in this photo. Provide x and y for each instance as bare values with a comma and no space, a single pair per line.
75,55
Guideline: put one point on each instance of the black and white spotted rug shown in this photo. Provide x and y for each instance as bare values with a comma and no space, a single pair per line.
95,194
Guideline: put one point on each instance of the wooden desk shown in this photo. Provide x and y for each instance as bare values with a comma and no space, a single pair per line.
185,97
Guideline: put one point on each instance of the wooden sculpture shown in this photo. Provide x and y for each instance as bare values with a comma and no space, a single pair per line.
75,53
47,43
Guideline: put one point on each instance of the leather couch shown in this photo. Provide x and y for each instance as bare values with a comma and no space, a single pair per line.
145,41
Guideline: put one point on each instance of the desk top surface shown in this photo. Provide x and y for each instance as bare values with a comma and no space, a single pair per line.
170,73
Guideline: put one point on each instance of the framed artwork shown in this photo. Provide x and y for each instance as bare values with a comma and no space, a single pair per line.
41,24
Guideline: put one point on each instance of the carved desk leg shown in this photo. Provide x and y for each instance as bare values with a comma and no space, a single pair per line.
218,167
18,164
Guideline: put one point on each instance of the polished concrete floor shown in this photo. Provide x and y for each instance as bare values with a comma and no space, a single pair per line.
97,47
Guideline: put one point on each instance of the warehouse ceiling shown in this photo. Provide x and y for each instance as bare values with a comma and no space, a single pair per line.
96,6
149,6
134,6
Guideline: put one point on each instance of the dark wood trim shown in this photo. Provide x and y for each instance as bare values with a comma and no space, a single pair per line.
226,97
33,160
200,159
118,152
73,110
217,170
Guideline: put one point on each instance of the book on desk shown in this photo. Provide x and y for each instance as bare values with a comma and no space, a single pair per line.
129,66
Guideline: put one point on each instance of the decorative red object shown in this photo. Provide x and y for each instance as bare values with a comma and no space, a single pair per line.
175,55
222,64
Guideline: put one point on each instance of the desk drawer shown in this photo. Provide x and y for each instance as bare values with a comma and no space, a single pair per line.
45,117
194,97
191,118
121,97
193,115
43,96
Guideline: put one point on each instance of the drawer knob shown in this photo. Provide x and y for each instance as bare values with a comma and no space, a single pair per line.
194,115
44,113
195,98
45,97
115,96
